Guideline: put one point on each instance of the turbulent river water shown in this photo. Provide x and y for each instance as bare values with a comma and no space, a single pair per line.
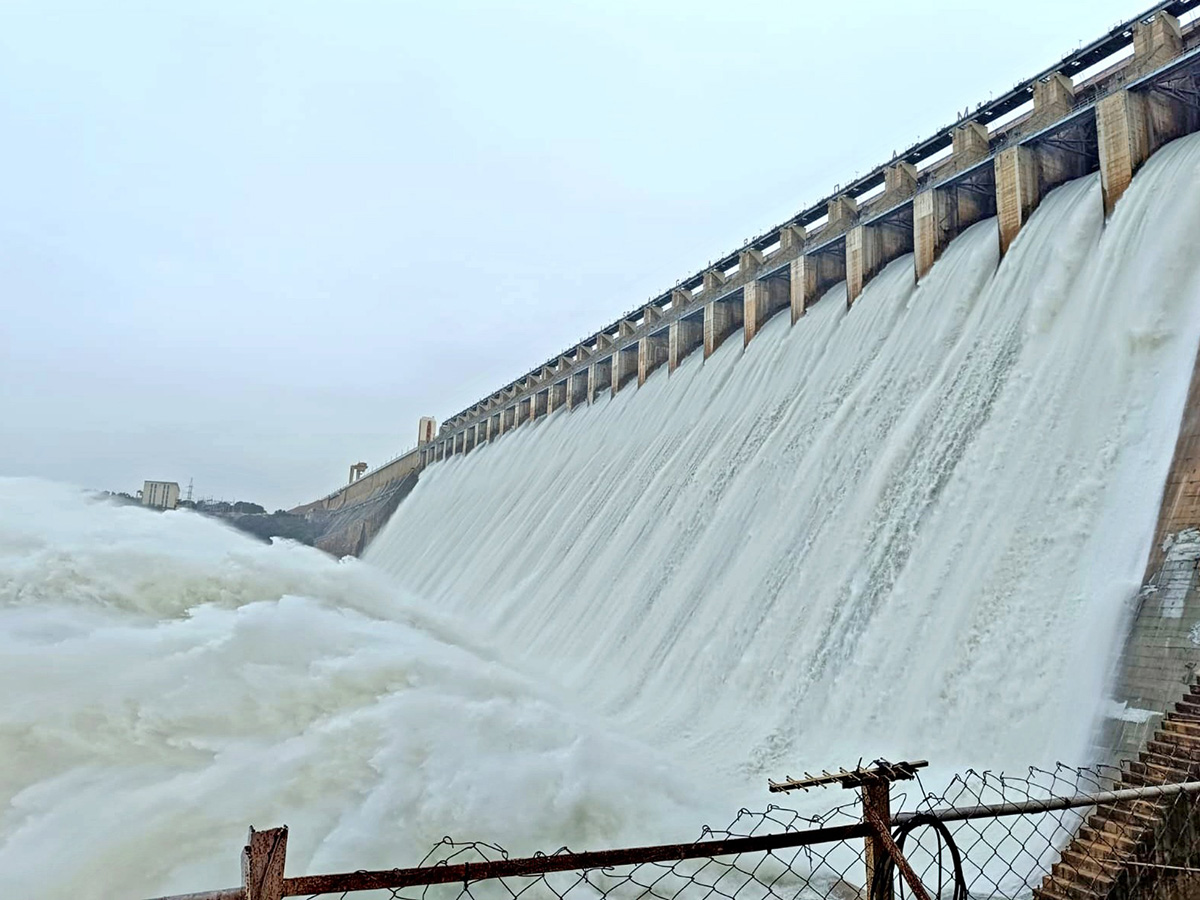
910,529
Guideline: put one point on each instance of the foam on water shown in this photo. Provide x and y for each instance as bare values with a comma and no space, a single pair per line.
909,529
168,682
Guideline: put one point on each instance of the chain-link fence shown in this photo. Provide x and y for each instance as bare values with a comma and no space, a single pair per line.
1059,834
998,857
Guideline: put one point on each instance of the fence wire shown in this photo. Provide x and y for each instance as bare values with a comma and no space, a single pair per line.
1132,849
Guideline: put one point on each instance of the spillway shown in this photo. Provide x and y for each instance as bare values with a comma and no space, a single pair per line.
910,528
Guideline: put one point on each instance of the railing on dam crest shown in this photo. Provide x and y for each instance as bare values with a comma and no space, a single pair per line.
1107,106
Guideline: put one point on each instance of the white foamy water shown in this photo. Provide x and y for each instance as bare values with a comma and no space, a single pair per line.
167,682
911,529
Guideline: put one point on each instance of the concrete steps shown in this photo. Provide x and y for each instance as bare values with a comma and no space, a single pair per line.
1097,859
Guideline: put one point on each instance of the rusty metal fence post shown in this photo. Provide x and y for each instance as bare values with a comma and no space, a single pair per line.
875,785
262,864
877,807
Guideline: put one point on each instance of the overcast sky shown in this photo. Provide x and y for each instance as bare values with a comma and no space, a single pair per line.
251,243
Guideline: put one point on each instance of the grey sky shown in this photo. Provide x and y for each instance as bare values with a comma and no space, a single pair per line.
251,243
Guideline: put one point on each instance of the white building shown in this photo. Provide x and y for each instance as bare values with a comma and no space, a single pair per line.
160,494
426,429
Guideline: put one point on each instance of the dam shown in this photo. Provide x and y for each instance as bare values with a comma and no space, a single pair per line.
1106,107
1102,111
1069,124
1095,118
914,475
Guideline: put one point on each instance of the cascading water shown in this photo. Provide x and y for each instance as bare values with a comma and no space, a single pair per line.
168,682
909,529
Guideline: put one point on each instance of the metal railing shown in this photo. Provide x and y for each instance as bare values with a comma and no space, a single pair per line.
984,836
395,459
1109,45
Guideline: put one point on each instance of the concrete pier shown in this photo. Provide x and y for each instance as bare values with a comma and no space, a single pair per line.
558,396
812,275
760,301
653,351
864,259
625,367
970,144
1156,42
1053,99
802,274
1027,172
933,227
749,262
1130,127
686,334
843,212
599,378
792,238
1124,143
713,280
941,214
873,244
899,183
1018,191
577,389
721,319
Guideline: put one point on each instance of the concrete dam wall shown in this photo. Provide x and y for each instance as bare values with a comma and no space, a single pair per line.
1109,121
746,571
913,525
1105,107
351,516
945,508
990,164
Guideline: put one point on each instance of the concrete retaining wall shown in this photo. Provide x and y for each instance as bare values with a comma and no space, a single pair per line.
351,516
1162,652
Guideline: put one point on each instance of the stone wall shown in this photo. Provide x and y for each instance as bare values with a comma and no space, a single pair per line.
347,519
347,530
1162,651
